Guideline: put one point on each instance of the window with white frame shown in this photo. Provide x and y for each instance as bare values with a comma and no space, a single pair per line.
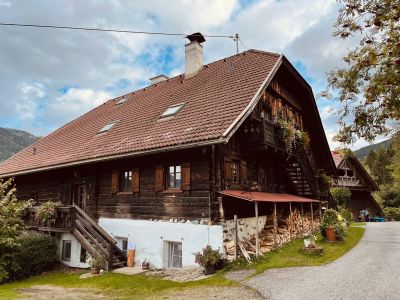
66,250
174,254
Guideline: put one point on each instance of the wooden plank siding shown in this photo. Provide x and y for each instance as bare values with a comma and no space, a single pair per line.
144,201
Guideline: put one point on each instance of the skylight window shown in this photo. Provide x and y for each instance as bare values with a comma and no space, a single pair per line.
107,127
121,101
172,110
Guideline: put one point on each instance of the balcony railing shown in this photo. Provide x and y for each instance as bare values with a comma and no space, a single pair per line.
63,221
260,133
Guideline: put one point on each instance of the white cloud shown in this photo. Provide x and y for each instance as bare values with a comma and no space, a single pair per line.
31,96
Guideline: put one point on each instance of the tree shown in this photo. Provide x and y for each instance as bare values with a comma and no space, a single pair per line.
341,195
368,87
11,226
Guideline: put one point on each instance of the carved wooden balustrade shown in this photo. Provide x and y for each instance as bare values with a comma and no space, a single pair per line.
64,219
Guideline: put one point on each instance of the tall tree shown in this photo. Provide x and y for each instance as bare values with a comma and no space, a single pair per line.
369,86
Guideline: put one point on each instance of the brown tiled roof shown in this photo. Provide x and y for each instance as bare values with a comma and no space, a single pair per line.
337,158
214,100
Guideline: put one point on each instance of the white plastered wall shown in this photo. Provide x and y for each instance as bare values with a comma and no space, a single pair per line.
148,237
75,251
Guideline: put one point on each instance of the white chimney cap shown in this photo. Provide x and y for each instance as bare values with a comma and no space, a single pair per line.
158,79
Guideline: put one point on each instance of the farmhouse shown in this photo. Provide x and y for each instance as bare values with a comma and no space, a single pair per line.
165,169
352,175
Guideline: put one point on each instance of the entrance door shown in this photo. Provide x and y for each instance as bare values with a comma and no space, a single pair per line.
81,196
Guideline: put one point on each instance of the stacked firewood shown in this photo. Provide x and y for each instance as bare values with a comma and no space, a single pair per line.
293,226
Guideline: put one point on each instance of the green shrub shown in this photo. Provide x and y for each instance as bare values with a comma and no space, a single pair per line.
392,213
38,253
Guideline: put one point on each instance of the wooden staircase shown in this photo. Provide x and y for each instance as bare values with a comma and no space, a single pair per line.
86,231
298,180
301,174
94,239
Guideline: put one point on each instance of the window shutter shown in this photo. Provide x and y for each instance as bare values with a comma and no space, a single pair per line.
114,182
186,176
159,180
244,172
135,180
228,168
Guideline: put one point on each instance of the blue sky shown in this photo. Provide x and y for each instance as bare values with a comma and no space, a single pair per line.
50,77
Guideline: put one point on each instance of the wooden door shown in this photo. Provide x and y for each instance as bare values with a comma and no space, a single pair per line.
81,195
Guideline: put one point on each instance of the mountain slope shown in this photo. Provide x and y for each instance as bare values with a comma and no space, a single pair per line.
363,152
13,141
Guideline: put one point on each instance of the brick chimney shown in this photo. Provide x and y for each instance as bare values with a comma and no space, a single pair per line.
194,54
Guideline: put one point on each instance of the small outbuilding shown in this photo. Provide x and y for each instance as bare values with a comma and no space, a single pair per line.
352,175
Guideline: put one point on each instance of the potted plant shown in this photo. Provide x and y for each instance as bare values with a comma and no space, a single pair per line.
331,227
208,258
46,213
309,241
96,262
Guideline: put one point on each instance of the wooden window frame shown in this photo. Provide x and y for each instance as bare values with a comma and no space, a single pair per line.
125,183
235,166
175,172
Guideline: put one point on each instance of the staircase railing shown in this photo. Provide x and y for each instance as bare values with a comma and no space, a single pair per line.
88,233
307,169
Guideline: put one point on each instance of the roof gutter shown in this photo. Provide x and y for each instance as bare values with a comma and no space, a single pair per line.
118,156
249,108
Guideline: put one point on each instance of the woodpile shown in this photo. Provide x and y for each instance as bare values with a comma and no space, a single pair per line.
294,226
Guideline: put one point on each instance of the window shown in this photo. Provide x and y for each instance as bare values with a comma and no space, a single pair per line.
124,246
174,258
83,256
121,101
107,127
174,177
172,110
125,181
66,250
235,171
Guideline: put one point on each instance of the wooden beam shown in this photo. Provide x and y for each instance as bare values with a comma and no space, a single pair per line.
235,237
302,218
312,218
320,212
275,226
257,233
290,220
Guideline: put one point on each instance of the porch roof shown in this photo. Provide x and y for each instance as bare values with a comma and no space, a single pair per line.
266,197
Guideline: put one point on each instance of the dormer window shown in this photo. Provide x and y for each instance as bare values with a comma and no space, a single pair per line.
121,101
172,110
107,127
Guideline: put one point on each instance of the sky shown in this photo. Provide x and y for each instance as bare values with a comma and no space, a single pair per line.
49,77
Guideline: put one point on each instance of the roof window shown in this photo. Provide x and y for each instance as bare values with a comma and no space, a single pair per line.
107,127
172,110
121,101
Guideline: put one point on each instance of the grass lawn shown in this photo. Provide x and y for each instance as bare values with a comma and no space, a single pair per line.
141,286
111,284
290,256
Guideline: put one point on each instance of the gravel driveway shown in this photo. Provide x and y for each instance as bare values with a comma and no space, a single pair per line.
371,270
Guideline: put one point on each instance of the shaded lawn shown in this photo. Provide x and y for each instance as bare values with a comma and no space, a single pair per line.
290,256
112,284
141,286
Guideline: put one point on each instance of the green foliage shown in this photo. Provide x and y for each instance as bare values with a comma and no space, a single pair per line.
292,137
97,261
207,257
392,213
341,195
346,214
331,219
46,212
36,254
368,86
11,226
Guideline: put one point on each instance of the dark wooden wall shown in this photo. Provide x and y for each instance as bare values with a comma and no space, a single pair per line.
145,204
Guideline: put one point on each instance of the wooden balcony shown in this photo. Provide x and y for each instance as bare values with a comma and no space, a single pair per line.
64,221
261,134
